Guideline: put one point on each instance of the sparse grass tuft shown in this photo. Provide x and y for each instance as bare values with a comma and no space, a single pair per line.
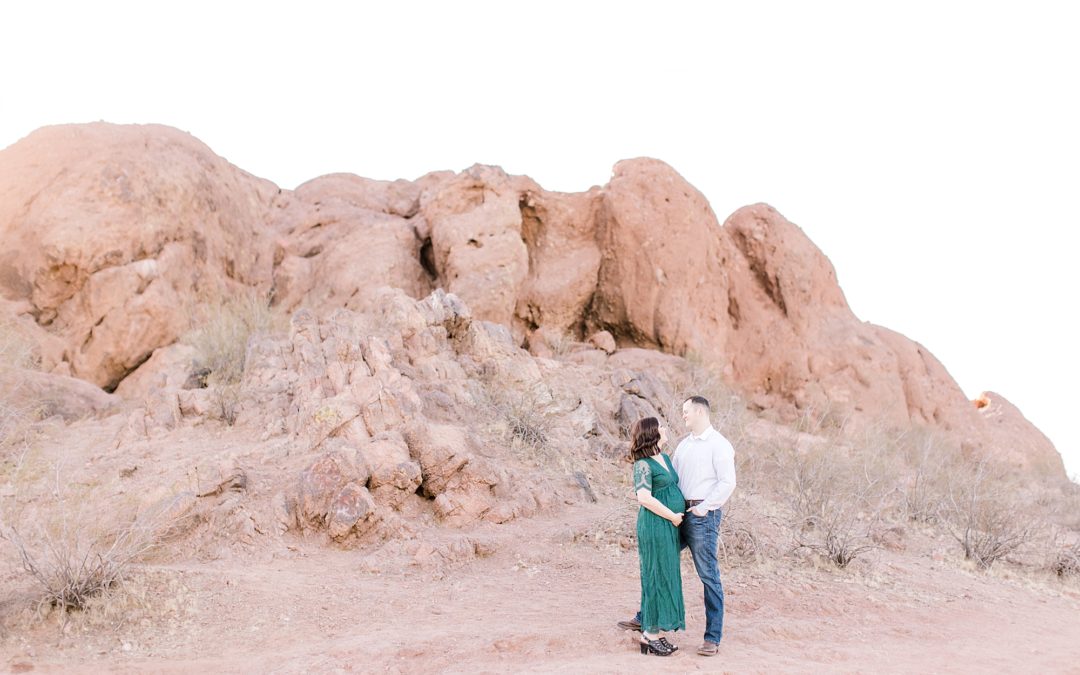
74,554
523,414
220,337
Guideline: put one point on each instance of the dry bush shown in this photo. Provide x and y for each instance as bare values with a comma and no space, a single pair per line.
16,425
70,567
561,344
220,337
17,414
1064,560
924,497
73,550
929,462
1063,505
986,514
520,416
826,421
227,398
738,541
221,334
838,503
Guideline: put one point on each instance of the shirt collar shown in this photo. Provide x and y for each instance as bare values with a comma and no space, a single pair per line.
704,434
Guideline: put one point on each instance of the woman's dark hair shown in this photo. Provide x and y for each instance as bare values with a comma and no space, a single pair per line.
644,438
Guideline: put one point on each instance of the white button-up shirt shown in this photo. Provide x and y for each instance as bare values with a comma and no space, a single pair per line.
706,468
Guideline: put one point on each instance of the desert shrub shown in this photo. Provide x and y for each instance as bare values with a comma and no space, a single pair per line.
929,462
516,413
738,541
18,417
1064,560
227,398
220,334
1063,505
72,552
70,568
17,413
524,421
826,421
561,344
984,513
15,418
837,502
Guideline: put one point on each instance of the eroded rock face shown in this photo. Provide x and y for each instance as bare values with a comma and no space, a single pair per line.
474,224
112,232
662,280
341,237
384,400
564,260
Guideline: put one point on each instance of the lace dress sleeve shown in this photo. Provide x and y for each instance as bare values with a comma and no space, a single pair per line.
642,476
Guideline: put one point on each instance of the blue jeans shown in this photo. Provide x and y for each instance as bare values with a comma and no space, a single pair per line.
702,535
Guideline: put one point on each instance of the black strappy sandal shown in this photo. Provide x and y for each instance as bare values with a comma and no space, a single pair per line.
654,647
672,648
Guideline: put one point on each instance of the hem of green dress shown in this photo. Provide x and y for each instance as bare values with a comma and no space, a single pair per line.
671,627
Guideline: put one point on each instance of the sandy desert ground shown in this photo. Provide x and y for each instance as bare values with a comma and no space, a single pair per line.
546,600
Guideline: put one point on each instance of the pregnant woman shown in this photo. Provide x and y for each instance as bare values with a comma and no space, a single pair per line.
661,512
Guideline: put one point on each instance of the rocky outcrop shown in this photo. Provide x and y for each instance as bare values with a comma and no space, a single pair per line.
1019,441
113,232
662,283
45,395
341,237
385,399
473,223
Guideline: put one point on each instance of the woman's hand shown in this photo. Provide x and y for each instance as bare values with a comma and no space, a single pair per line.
676,520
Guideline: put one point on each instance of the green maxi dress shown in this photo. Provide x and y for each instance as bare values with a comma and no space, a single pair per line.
658,547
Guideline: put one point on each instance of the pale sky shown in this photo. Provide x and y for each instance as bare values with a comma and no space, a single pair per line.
930,149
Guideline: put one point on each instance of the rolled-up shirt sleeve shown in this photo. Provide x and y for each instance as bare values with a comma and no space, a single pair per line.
723,459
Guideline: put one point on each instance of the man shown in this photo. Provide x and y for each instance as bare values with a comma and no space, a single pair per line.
705,464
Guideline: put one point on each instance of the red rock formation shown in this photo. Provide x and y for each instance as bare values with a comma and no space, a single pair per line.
111,231
1019,441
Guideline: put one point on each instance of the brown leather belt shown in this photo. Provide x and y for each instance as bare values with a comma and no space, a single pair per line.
693,502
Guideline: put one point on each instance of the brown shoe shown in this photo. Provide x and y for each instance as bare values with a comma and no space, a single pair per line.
708,649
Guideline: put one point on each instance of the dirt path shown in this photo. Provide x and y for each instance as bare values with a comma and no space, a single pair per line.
543,602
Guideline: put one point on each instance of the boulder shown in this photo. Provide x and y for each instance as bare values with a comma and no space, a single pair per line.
321,484
49,394
111,233
343,237
475,235
1018,441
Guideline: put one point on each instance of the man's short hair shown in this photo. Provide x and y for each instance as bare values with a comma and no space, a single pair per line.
700,400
